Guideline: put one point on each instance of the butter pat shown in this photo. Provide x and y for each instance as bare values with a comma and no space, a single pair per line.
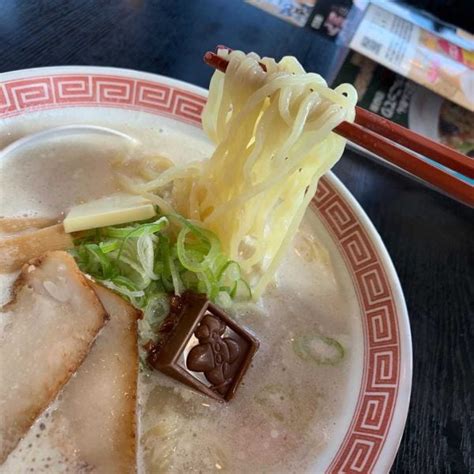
116,209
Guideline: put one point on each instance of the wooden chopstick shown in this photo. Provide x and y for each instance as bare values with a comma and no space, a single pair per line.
416,142
384,138
407,161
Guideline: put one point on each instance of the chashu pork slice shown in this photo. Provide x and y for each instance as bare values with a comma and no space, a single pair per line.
46,331
13,225
91,427
98,405
19,248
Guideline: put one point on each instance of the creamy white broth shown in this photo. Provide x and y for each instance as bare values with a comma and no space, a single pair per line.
48,179
286,410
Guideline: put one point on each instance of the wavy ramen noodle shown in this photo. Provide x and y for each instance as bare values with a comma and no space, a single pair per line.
274,139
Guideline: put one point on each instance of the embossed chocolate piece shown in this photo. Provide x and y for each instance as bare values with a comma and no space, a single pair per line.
203,348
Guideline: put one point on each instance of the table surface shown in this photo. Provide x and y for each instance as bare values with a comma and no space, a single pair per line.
428,236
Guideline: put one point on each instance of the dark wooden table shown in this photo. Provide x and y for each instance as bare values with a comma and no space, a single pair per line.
429,236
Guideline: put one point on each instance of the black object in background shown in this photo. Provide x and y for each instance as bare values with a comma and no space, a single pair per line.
329,17
458,12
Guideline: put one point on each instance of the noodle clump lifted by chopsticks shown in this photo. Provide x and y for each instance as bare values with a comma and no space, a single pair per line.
274,140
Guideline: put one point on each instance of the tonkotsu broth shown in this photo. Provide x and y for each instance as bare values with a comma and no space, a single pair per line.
286,410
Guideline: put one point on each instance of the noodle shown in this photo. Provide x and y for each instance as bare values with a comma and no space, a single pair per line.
274,140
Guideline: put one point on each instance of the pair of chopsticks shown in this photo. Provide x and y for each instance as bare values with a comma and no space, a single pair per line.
397,144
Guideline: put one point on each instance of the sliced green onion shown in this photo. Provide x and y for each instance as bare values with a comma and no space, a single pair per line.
143,229
241,291
177,284
317,348
229,274
211,283
100,259
189,279
109,246
156,310
146,256
223,299
190,258
136,231
219,263
165,256
123,290
202,236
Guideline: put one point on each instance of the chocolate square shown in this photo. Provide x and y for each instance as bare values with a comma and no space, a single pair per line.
205,349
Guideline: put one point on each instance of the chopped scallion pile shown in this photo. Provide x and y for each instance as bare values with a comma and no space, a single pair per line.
145,262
